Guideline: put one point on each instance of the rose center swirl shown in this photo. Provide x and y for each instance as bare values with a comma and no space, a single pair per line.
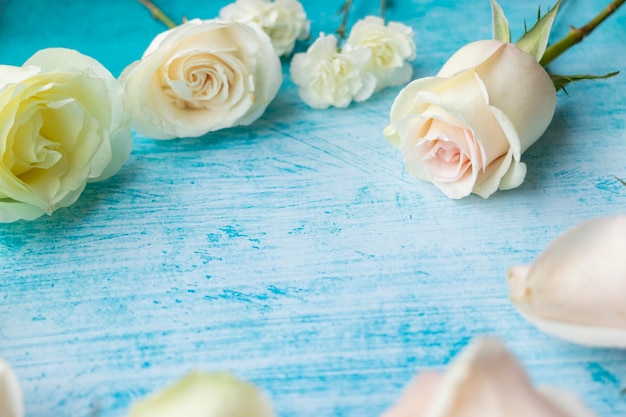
201,81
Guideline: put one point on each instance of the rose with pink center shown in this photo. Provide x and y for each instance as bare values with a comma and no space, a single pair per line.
466,129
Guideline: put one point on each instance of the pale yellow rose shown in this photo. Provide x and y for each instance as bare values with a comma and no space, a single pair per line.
63,123
205,395
465,130
200,77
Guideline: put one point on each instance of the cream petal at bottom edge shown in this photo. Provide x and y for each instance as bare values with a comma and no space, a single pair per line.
11,398
565,401
582,334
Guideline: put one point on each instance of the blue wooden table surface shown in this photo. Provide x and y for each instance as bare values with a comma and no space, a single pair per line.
297,253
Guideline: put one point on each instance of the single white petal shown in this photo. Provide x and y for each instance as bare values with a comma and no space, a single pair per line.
575,288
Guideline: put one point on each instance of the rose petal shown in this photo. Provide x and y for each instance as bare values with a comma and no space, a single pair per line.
485,380
11,402
575,288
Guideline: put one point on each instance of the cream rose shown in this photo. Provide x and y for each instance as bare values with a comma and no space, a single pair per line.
200,77
466,129
63,123
284,21
391,45
330,78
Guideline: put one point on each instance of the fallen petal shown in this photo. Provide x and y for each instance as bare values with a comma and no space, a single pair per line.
575,288
485,380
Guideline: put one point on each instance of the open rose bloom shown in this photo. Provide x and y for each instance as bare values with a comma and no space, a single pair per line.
63,123
465,130
200,77
485,380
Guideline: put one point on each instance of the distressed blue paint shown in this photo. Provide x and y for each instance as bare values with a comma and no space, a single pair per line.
297,252
602,375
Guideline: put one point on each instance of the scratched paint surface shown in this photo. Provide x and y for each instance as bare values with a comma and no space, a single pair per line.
297,253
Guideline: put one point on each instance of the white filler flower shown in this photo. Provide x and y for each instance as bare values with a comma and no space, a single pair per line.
391,46
330,78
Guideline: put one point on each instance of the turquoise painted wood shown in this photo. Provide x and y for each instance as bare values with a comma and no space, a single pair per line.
297,253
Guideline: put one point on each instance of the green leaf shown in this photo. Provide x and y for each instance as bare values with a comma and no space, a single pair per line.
560,81
535,40
500,26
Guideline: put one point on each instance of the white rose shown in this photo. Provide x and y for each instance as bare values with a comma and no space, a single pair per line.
206,395
391,46
330,78
284,21
466,129
200,77
11,402
63,123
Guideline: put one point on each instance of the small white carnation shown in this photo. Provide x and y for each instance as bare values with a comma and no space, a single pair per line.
327,77
391,46
284,21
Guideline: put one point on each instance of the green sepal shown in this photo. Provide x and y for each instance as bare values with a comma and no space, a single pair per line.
536,39
500,26
560,81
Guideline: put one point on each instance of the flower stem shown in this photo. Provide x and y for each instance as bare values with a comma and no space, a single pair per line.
158,14
341,30
383,9
577,35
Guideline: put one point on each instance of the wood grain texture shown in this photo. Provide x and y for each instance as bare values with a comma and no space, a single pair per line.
297,253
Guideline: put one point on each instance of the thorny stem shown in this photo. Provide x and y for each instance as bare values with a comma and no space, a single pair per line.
158,13
345,11
577,35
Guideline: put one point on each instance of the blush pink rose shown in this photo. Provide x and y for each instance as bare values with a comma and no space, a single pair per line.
466,129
